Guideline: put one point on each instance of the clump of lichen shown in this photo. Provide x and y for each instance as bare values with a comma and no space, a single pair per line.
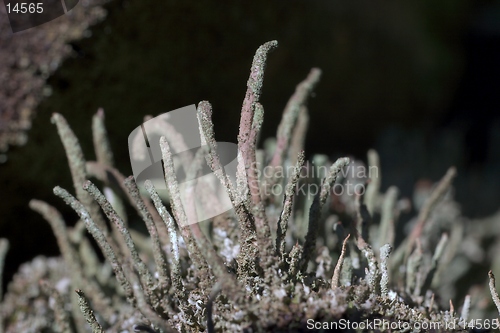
28,58
266,265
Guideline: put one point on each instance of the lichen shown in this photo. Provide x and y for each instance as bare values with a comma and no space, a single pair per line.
249,272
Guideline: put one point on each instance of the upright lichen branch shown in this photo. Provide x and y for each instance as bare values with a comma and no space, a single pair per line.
316,209
4,248
158,253
340,262
385,251
146,276
88,313
493,291
428,206
76,163
290,114
180,215
282,225
250,122
101,240
174,239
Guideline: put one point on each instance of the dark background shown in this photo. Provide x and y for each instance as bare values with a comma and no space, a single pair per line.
418,81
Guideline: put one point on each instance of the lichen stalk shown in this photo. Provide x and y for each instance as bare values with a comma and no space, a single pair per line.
176,276
250,123
282,225
290,114
386,231
4,248
226,280
430,203
465,309
88,313
178,209
338,267
158,253
257,204
206,126
61,315
299,135
76,162
493,291
126,241
142,304
102,147
435,260
110,175
413,275
385,252
70,256
101,241
316,208
373,273
372,190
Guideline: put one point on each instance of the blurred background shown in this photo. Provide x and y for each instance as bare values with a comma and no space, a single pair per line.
418,81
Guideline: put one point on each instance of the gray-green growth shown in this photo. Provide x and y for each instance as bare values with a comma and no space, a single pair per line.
265,265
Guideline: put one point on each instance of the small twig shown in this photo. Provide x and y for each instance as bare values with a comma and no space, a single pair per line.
340,262
493,291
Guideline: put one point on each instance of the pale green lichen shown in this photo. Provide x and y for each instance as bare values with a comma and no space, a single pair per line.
234,276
